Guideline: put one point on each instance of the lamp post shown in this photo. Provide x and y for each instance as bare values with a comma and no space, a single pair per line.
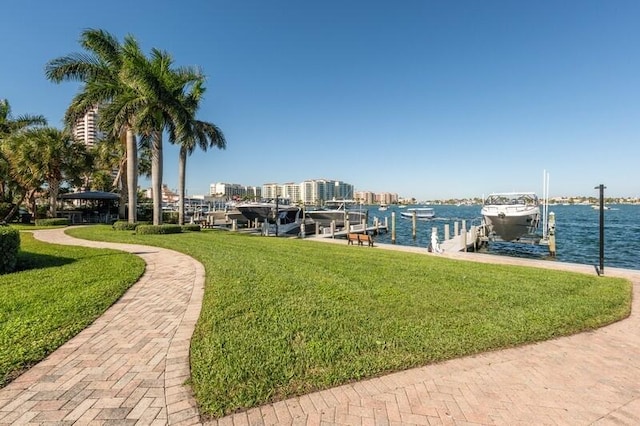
600,270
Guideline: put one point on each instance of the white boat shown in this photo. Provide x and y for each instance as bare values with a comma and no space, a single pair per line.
422,213
383,207
338,211
511,215
280,219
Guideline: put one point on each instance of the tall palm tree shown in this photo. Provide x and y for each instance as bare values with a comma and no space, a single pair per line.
199,134
100,69
161,92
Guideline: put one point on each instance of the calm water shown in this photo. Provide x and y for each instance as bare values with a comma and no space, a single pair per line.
577,233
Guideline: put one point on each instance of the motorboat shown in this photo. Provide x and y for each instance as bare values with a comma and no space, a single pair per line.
338,211
421,213
511,215
383,207
277,219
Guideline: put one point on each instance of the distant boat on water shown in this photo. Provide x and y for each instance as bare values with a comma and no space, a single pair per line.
421,213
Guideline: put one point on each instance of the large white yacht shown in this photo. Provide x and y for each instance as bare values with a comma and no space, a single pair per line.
511,215
339,211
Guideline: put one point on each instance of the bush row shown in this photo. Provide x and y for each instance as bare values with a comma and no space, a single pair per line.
146,228
9,247
60,221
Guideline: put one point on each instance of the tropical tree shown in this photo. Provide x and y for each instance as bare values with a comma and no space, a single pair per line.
10,125
200,134
162,92
44,157
100,69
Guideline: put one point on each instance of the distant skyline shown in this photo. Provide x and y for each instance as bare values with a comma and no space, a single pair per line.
426,99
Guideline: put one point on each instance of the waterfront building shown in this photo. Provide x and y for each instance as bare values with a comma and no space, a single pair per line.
316,191
365,197
386,198
291,191
271,190
86,128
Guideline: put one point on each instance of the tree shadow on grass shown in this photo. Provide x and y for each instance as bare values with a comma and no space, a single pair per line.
27,261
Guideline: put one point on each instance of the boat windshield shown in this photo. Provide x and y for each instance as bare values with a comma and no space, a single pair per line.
512,200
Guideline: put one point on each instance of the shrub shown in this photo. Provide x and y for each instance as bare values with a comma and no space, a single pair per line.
193,227
60,221
158,229
170,217
122,225
9,246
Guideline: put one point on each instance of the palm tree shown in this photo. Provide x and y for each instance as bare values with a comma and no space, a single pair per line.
9,125
161,92
101,72
200,133
43,156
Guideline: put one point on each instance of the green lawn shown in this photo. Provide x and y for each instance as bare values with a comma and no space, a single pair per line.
283,317
57,292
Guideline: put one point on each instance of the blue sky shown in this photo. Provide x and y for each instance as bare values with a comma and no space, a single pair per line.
429,99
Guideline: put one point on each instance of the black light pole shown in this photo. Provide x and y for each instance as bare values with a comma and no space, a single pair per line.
600,271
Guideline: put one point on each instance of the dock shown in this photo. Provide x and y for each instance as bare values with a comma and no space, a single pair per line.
359,228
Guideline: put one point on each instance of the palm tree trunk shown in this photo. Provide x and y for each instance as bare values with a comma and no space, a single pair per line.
132,175
123,190
182,167
156,176
53,197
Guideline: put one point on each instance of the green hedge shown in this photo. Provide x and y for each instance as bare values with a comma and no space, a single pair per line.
123,225
9,247
193,227
158,229
61,221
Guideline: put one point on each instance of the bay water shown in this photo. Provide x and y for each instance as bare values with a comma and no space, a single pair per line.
577,233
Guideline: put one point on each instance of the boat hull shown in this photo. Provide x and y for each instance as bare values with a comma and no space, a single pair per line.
325,217
510,224
421,214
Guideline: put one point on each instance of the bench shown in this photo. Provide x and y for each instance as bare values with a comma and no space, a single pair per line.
353,237
360,239
365,238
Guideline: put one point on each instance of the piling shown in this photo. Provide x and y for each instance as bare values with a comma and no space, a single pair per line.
234,225
446,232
552,234
456,229
464,237
393,227
414,222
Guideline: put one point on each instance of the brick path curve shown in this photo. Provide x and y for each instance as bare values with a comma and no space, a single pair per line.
130,365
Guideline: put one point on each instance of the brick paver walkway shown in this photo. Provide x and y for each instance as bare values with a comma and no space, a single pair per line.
130,366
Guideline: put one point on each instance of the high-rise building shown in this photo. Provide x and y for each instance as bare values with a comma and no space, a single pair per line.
86,128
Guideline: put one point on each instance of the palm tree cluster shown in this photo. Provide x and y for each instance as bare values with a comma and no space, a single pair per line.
138,95
35,159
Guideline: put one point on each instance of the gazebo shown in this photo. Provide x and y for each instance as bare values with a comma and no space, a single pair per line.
98,207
